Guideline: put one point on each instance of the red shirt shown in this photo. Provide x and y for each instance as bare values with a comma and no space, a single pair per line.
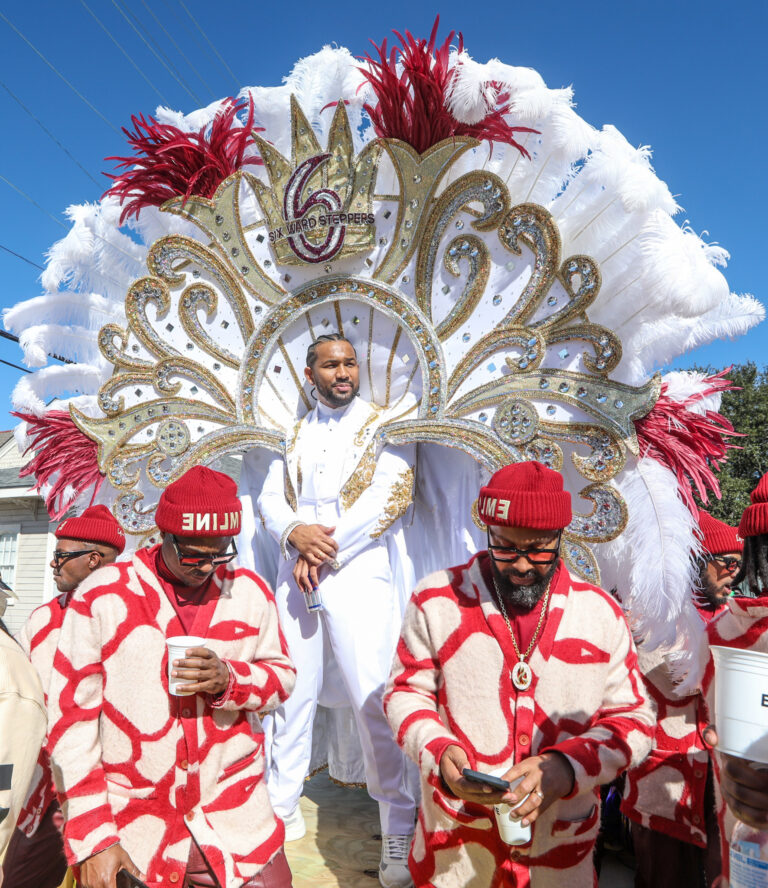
185,599
522,620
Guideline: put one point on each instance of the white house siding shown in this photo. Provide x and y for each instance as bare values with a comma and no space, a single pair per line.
32,583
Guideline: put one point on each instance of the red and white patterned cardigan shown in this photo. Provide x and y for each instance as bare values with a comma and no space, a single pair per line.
450,683
666,792
39,637
136,765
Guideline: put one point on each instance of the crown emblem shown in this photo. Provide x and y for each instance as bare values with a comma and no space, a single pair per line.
319,204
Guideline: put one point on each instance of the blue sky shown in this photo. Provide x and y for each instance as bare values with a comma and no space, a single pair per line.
684,77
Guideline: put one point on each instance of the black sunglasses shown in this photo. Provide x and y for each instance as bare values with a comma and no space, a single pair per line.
730,563
534,555
200,560
60,558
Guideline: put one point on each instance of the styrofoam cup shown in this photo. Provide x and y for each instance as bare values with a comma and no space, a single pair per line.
741,702
511,829
177,650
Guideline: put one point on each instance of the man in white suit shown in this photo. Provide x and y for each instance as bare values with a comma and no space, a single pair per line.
330,503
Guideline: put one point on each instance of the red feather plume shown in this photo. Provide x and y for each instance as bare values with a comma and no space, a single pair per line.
692,445
64,457
168,162
411,106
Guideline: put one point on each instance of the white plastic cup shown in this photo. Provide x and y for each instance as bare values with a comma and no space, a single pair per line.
741,703
177,650
511,829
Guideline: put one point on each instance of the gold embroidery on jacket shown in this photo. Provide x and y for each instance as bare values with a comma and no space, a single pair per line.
360,436
360,480
400,497
290,493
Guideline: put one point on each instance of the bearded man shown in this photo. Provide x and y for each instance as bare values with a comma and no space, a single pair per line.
507,664
331,503
84,543
670,797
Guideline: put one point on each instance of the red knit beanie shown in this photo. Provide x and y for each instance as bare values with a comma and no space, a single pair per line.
526,494
754,521
96,525
717,536
201,503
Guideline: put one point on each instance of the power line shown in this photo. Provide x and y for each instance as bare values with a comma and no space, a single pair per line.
205,37
15,366
58,73
123,51
14,338
178,49
149,46
32,200
45,129
23,259
62,225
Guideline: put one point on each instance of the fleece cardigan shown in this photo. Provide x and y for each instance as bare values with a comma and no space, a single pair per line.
39,637
451,684
135,765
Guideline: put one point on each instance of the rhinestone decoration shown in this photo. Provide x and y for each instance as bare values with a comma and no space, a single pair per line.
173,402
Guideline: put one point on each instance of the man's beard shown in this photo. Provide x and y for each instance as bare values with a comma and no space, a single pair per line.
525,597
707,594
334,400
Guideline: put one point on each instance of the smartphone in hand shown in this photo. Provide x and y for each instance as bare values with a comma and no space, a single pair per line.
486,779
124,879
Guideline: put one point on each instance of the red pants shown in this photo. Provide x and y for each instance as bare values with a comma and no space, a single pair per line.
276,874
37,861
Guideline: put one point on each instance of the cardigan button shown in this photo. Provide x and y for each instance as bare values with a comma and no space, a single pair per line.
523,739
190,815
186,712
183,764
698,773
515,855
696,819
174,877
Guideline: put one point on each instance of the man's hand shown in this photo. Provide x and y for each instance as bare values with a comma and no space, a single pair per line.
314,543
205,669
546,777
100,870
305,574
452,763
744,788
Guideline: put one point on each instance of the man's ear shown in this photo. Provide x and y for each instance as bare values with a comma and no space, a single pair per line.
94,560
309,375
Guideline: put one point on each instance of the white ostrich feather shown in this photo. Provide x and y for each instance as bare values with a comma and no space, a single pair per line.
192,122
734,316
94,255
316,81
89,310
684,384
40,341
651,564
32,393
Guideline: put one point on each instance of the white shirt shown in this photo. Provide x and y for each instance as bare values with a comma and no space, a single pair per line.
322,464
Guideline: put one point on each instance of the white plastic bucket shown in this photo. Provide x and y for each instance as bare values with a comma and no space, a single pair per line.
177,650
741,702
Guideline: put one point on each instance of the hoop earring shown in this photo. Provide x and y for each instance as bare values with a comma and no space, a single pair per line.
312,393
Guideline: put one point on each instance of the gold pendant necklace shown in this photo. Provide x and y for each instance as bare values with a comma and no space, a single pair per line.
522,674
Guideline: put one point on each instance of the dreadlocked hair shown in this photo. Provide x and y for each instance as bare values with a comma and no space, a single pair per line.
754,565
326,337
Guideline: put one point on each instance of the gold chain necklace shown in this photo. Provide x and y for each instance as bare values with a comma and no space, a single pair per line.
522,674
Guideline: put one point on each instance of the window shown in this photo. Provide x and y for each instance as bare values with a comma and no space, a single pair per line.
8,558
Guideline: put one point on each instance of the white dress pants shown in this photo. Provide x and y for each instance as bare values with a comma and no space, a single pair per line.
360,623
